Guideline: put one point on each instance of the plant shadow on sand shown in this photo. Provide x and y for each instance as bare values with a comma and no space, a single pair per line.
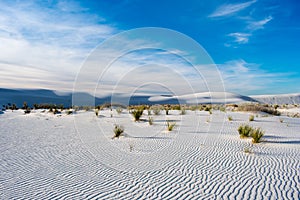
279,140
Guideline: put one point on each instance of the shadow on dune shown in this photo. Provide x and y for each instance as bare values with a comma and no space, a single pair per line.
284,142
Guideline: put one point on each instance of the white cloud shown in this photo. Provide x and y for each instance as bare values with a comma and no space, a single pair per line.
229,9
46,38
240,38
243,78
255,25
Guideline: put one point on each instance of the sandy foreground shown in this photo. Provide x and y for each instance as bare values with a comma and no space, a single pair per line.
47,156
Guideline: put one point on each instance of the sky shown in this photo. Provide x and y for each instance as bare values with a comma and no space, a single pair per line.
253,44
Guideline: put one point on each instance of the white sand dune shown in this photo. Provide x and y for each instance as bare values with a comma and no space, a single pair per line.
46,156
278,99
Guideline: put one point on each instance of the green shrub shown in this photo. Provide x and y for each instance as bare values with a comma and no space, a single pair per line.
244,131
256,135
156,110
251,118
229,118
182,111
118,130
150,120
137,114
170,125
119,110
69,112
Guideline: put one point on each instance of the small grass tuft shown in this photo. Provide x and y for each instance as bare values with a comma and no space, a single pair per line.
256,135
170,125
118,130
150,120
251,118
229,118
119,110
137,114
244,131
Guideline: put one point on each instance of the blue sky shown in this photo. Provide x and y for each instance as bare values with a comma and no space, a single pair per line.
255,44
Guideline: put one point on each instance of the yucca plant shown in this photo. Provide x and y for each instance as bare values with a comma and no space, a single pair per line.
118,130
170,125
256,135
251,118
182,111
119,110
137,114
150,120
244,131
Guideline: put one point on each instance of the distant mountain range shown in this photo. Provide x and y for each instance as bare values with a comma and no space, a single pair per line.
38,96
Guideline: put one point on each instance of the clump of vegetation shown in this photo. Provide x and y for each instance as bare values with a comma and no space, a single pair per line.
281,120
118,130
244,131
156,110
27,111
69,112
251,118
229,118
256,135
149,111
183,111
56,111
248,131
259,108
97,112
150,120
119,110
137,114
170,125
247,150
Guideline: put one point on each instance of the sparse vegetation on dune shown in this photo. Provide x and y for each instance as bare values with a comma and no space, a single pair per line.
247,131
258,108
244,131
170,125
256,135
118,130
150,120
137,114
251,118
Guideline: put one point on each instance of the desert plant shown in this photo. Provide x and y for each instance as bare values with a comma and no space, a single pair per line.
229,118
69,112
137,114
119,110
256,135
150,120
27,111
247,150
167,111
56,111
156,110
182,111
170,125
251,118
244,131
118,130
97,112
149,112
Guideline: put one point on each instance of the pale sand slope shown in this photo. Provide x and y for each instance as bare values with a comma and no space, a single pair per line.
44,157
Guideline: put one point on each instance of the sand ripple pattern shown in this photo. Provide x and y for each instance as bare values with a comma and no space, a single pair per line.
45,158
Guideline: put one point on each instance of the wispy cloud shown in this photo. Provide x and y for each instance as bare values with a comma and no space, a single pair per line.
240,38
255,25
51,39
229,9
244,78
